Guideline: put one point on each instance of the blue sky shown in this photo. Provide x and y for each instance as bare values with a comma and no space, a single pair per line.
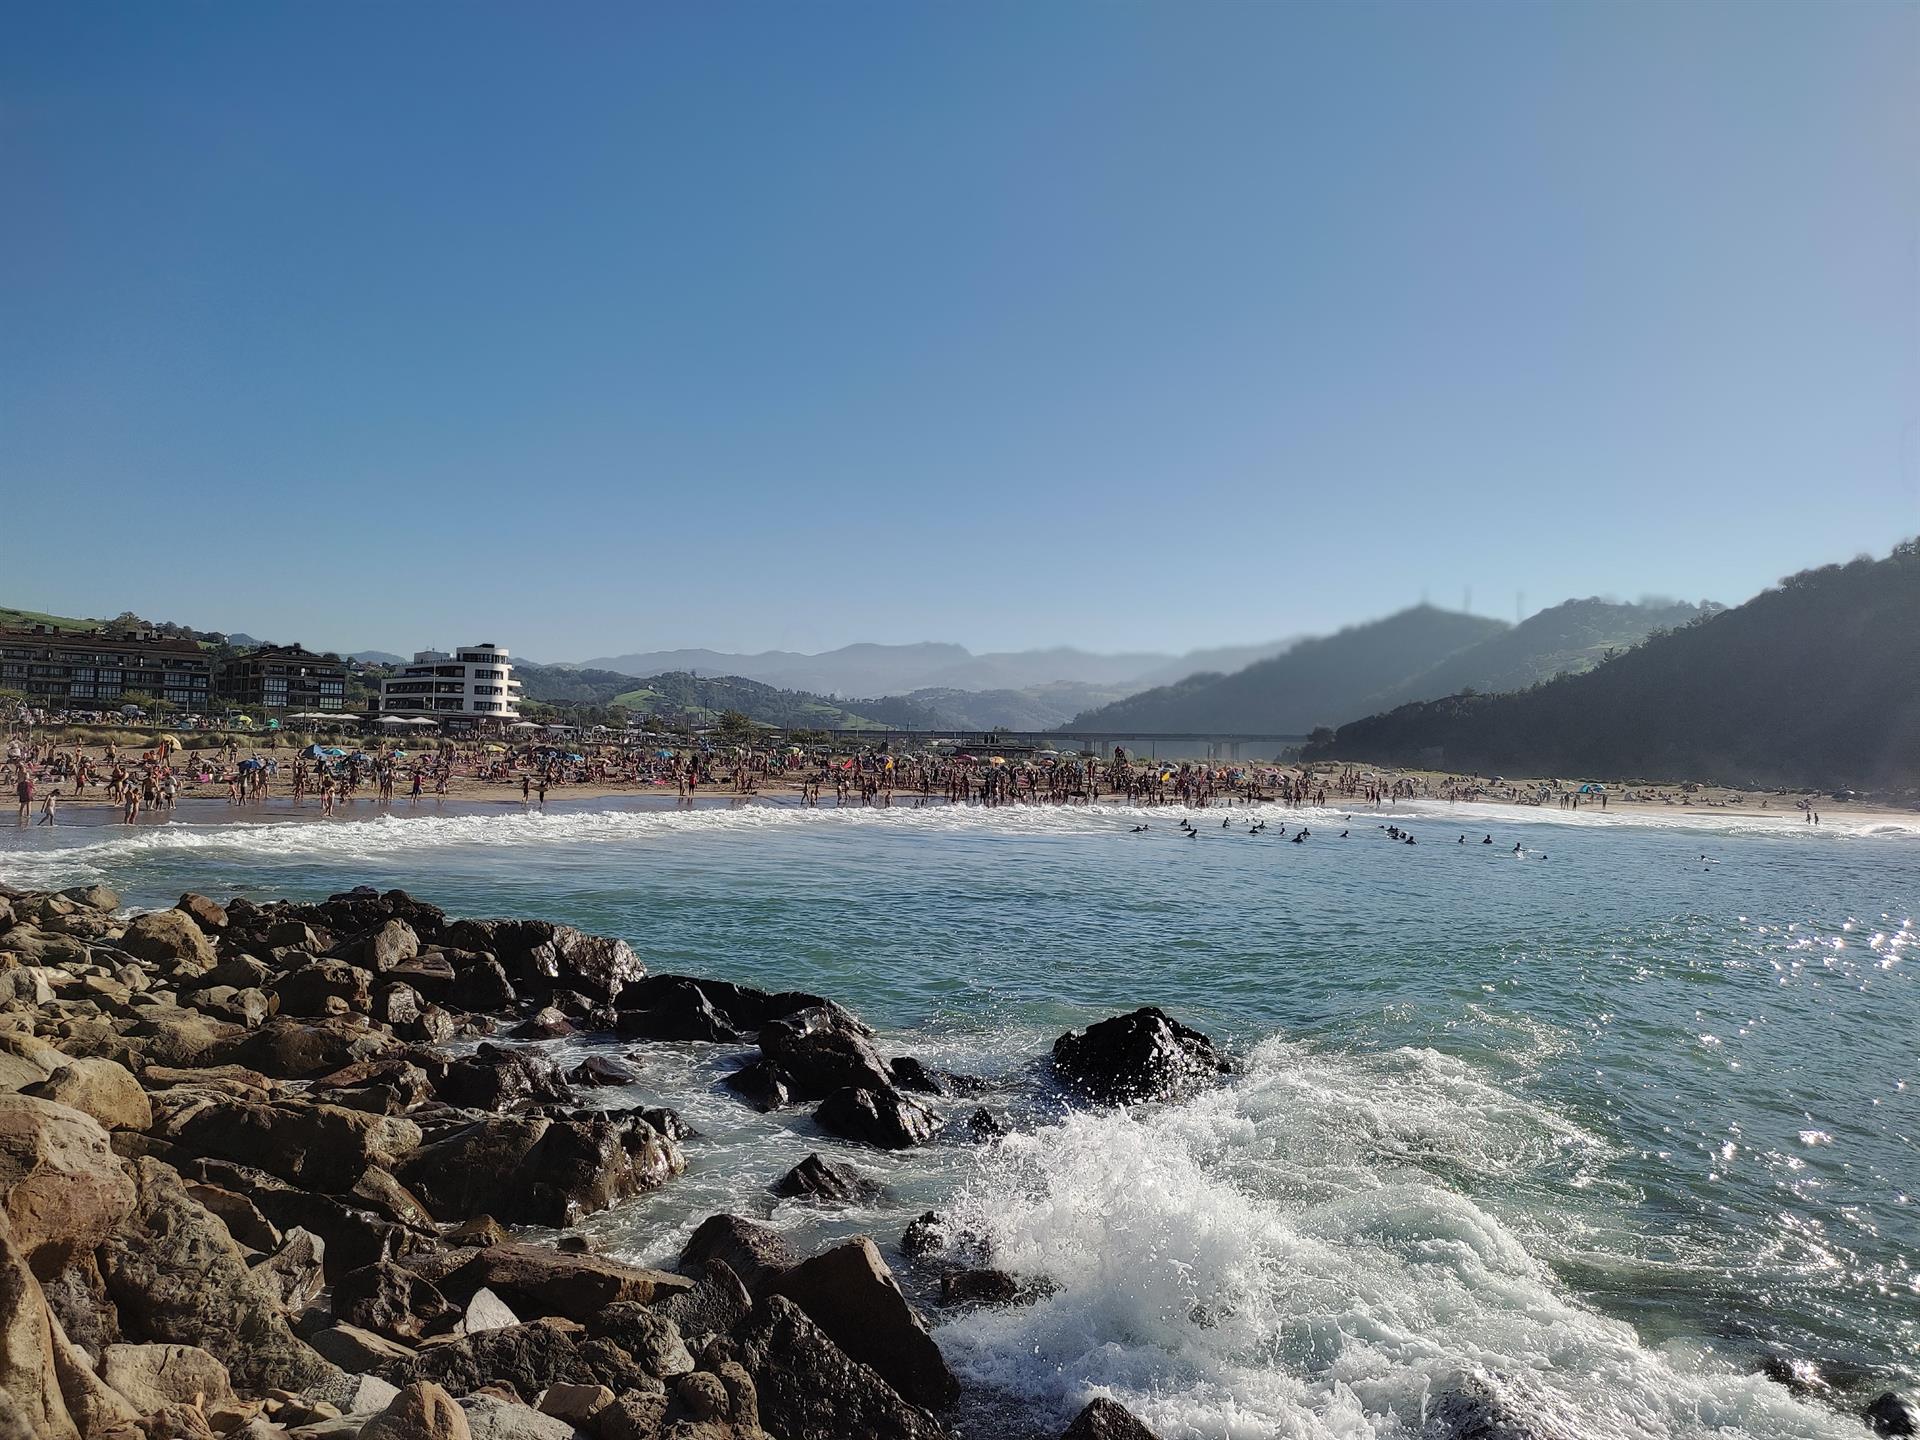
594,328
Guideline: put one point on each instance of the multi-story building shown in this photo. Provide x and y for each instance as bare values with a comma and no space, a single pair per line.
99,670
475,681
284,677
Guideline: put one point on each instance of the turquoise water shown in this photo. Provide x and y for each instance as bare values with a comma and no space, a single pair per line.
1607,1122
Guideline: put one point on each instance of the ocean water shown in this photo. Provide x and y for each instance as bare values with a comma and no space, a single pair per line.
1604,1124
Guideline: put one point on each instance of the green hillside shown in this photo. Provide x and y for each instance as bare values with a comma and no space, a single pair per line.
1815,683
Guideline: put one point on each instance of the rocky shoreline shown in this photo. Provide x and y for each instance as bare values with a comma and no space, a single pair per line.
258,1180
249,1187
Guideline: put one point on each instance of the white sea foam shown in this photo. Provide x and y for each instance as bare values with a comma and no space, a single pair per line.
349,839
1288,1257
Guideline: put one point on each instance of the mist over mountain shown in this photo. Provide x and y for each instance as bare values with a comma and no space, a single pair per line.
1814,683
869,669
1313,682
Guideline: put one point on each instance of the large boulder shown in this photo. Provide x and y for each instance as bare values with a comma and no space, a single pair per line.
1144,1055
421,1411
394,943
879,1116
324,987
1892,1414
756,1254
104,1089
209,915
492,1418
29,1376
849,1292
818,1055
394,1302
649,1334
177,1277
319,1147
532,1170
536,1280
1105,1419
817,1179
528,1357
293,1049
170,939
495,1077
543,954
811,1389
152,1377
62,1189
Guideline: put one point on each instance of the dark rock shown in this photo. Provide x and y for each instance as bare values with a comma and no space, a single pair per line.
597,1070
909,1074
646,1333
818,1056
528,1357
295,1274
394,943
534,1171
313,988
393,1301
481,984
481,1231
176,1277
760,1085
741,1007
1475,1408
209,915
356,1350
431,975
757,1254
1801,1377
78,1299
682,1015
243,1218
549,955
434,1027
811,1389
1891,1414
497,1078
925,1235
544,1024
1105,1419
1144,1055
538,1281
290,1049
848,1291
978,1287
320,1147
396,1004
717,1302
883,1118
815,1179
985,1125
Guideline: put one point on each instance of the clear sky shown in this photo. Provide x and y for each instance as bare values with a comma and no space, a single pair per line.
591,328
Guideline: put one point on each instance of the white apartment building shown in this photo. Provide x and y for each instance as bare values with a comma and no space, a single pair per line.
475,681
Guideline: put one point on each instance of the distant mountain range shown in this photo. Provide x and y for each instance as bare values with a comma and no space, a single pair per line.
895,670
1416,654
1814,683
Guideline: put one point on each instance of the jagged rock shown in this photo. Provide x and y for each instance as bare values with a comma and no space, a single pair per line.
101,1088
761,1085
429,974
172,940
62,1189
354,1237
34,946
322,1147
1144,1055
396,1003
908,1073
392,1301
357,1350
313,988
291,1049
926,1234
1474,1407
717,1302
487,1311
209,915
177,1276
546,954
528,1357
539,1281
94,897
497,1078
978,1287
648,1334
849,1292
240,1215
818,1056
1892,1414
421,1411
28,985
96,1408
883,1118
379,1192
481,985
530,1170
29,1377
480,1231
741,1008
811,1389
816,1179
153,1376
296,1272
1105,1419
983,1124
756,1254
636,1415
78,1299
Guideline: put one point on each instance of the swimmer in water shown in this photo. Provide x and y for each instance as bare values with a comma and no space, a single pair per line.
1487,841
1343,834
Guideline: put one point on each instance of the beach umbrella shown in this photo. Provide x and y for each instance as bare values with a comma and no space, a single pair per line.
170,742
422,720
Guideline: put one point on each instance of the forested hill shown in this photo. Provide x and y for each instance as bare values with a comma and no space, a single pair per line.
1573,636
1316,682
1816,683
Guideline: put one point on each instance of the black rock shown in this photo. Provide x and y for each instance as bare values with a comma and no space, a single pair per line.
819,1056
1892,1414
756,1254
760,1085
1144,1055
811,1389
881,1117
984,1124
909,1074
496,1078
598,1070
815,1179
1105,1419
